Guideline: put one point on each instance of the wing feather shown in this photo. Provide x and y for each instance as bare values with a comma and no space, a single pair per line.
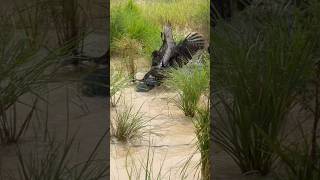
189,46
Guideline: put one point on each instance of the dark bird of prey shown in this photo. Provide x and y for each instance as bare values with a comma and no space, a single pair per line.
170,54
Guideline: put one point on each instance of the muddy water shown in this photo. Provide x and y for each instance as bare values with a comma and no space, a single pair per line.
170,147
87,117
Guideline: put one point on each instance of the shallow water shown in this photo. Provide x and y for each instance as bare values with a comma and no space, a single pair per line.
87,116
172,147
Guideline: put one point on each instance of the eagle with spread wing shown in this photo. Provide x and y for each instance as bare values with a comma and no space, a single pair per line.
170,54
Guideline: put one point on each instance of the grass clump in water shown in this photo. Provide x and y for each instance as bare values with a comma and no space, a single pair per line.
129,124
24,69
190,81
258,83
301,156
33,18
118,81
297,161
202,130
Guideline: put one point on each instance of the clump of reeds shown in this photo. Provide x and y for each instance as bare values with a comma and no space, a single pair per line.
70,20
190,81
24,69
118,81
296,159
129,49
33,18
202,123
301,158
258,83
129,124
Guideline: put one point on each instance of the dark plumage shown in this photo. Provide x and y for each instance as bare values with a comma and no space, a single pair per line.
187,48
171,54
181,53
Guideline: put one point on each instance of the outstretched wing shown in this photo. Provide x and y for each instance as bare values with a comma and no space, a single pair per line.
170,54
189,46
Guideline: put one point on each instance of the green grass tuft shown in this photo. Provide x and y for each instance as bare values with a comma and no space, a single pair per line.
118,81
190,81
202,123
129,124
127,21
261,63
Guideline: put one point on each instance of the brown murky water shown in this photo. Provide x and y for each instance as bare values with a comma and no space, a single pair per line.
172,146
88,115
87,119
